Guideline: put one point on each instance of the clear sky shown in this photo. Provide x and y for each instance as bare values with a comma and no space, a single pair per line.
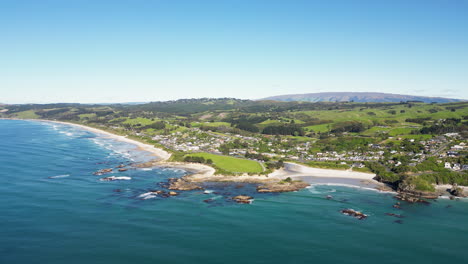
135,50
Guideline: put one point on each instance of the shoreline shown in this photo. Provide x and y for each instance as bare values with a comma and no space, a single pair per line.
157,152
199,173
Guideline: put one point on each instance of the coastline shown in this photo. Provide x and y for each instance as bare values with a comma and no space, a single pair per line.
199,173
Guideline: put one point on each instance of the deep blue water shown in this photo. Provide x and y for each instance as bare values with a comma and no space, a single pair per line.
53,210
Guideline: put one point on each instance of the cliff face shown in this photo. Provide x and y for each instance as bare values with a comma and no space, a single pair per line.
358,97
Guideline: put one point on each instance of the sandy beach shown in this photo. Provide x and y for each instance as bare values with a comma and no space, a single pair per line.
296,170
157,152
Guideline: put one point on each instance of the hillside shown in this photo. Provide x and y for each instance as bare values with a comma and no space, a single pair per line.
358,97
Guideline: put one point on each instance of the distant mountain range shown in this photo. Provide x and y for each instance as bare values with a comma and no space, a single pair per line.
358,97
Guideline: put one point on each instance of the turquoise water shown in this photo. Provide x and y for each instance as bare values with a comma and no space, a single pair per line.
53,210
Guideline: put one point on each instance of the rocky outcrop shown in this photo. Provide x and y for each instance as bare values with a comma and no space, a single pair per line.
182,184
353,213
457,191
103,171
281,186
244,199
147,164
415,196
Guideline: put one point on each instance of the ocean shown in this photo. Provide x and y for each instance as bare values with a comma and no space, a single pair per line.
54,210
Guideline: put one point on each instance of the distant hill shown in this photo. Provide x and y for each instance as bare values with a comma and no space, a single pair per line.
358,97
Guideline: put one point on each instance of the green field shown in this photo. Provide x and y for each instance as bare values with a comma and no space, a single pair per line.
231,164
29,114
139,120
210,124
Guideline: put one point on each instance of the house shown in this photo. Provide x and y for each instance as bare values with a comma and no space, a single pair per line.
447,165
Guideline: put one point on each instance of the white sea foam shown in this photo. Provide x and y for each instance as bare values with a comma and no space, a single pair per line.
349,186
116,178
146,169
148,195
59,176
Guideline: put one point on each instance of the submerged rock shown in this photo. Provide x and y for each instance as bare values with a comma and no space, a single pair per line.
122,169
395,215
353,213
172,193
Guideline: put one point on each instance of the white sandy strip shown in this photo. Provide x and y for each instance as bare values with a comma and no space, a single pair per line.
162,154
296,170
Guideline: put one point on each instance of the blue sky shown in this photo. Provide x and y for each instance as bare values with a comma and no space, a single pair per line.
135,50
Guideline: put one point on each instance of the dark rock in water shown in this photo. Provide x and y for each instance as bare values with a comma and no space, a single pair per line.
448,206
353,213
457,191
117,190
395,215
120,166
245,199
398,221
172,193
123,169
208,200
238,186
103,171
397,205
329,197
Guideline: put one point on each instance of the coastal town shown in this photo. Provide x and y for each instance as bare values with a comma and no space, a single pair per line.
411,146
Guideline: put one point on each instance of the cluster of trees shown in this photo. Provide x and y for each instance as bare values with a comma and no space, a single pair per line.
446,177
256,156
156,125
382,173
284,129
197,159
443,128
348,126
275,165
409,146
419,120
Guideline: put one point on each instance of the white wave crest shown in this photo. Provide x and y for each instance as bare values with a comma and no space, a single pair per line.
148,195
59,176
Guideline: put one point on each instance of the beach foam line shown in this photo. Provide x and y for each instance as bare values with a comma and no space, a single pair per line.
349,186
